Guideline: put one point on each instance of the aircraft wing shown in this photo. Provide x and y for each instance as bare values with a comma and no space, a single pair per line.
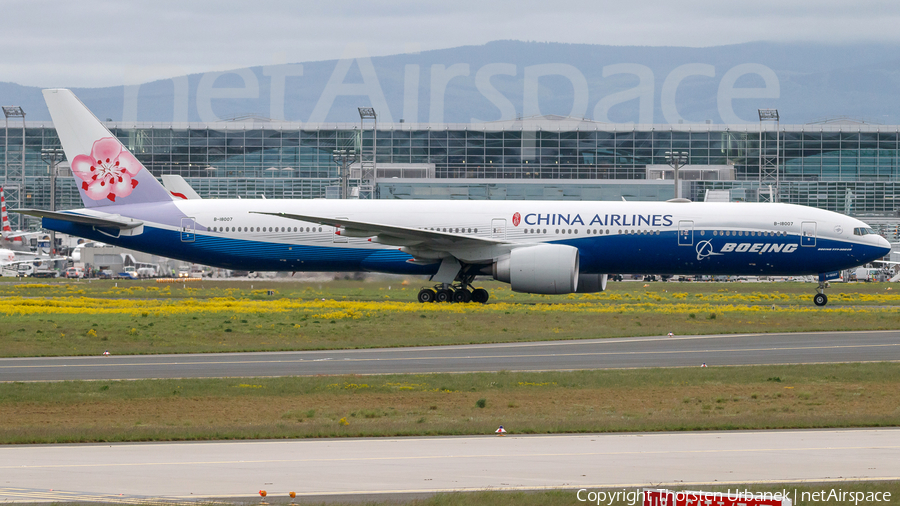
15,263
109,221
32,261
418,242
35,259
15,235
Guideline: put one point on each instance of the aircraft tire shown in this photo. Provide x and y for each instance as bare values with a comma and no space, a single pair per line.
426,295
444,295
480,295
820,299
462,295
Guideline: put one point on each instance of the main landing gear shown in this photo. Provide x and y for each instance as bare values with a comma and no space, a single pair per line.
462,293
820,299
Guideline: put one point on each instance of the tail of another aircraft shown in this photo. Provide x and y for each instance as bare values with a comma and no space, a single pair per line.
107,174
4,218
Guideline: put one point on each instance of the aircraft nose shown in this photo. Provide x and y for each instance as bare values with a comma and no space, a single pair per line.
884,244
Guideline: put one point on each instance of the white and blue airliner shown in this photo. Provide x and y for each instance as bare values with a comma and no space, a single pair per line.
536,246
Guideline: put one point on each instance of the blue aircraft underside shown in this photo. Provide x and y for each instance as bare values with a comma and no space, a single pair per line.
598,254
633,253
249,255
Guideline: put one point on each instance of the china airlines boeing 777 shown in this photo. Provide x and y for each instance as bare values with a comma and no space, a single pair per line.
535,246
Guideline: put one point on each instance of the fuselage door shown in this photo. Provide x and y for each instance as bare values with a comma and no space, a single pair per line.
498,228
808,233
187,230
686,233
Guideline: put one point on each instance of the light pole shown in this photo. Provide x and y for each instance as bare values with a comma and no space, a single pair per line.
14,166
768,162
344,157
367,170
677,160
52,157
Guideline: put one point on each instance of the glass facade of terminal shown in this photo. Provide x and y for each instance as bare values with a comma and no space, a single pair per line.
853,169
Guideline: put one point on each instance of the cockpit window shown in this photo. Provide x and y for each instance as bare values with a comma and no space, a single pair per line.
863,231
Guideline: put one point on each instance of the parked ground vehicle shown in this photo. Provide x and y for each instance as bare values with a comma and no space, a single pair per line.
74,273
129,272
146,272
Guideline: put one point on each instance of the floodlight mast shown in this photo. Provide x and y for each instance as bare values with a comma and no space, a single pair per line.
344,157
14,166
366,155
769,162
677,160
52,157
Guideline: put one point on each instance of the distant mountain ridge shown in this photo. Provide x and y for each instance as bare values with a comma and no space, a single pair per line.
504,80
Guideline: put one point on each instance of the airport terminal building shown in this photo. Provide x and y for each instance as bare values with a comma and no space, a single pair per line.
844,166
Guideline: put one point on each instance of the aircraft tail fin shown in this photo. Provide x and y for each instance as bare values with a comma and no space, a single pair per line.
178,187
106,173
4,218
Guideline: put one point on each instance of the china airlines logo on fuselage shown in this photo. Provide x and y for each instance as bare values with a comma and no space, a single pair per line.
517,218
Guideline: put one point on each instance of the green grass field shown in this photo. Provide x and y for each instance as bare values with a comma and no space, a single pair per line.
130,317
750,397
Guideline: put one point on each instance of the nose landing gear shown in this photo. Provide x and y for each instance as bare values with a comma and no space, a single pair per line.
820,299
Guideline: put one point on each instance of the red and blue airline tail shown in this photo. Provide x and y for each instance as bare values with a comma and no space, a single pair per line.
107,174
4,218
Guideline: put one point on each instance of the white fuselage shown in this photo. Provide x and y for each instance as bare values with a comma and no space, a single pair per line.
660,237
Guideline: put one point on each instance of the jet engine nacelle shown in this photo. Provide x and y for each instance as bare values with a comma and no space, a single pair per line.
592,283
544,268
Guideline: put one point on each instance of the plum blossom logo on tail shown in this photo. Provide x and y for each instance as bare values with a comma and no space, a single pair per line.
517,218
108,172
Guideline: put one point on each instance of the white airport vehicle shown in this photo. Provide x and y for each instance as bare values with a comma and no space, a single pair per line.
74,273
548,247
128,272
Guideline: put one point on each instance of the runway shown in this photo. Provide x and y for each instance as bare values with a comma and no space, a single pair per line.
388,467
178,471
733,349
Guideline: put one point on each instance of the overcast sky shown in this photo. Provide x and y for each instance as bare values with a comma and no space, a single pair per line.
93,43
